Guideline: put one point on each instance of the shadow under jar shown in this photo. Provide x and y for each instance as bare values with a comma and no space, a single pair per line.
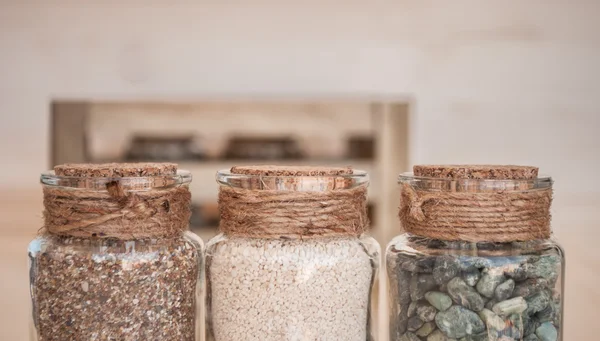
114,260
292,261
477,261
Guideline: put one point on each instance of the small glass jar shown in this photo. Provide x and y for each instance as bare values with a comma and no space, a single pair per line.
465,288
104,286
288,265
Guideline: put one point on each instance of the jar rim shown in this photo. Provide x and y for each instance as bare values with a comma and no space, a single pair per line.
225,177
182,177
541,182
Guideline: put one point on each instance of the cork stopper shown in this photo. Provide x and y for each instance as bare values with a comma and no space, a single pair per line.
269,170
294,178
497,172
108,170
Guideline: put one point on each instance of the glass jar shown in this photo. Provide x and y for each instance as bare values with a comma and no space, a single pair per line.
495,275
292,262
103,270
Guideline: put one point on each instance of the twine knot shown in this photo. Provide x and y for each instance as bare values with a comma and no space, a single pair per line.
414,203
116,212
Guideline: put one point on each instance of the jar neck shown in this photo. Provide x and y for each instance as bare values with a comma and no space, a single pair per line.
475,210
116,208
280,214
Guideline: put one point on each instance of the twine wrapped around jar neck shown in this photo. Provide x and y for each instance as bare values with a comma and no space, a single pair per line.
118,211
277,213
474,215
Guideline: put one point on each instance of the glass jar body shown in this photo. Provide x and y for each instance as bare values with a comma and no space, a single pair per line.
274,289
444,290
108,289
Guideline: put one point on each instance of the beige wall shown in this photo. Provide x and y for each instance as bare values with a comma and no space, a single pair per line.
493,81
503,81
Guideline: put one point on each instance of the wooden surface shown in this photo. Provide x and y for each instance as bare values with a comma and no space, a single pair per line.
576,219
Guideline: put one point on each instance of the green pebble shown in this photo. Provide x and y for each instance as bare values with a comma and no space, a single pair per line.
547,332
458,322
504,290
409,337
439,300
515,305
489,281
426,329
465,295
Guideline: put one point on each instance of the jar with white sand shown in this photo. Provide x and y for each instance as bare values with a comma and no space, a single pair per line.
292,261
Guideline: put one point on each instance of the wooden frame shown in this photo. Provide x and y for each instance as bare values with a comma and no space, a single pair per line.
390,119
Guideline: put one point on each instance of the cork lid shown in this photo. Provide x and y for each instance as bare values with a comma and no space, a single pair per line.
292,178
270,170
497,172
108,170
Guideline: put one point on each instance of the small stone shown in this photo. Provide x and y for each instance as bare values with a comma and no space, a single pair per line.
409,337
426,312
504,290
489,281
439,300
466,263
420,284
515,305
531,337
514,267
398,325
530,324
516,320
422,309
537,302
490,304
546,332
491,320
549,314
414,323
514,330
465,295
445,268
85,286
457,322
437,335
426,329
516,272
547,267
421,265
471,276
530,287
412,309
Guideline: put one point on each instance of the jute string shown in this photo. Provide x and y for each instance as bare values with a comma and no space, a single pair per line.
116,213
476,217
293,214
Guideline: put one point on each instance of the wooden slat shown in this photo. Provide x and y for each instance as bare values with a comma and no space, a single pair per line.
67,135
